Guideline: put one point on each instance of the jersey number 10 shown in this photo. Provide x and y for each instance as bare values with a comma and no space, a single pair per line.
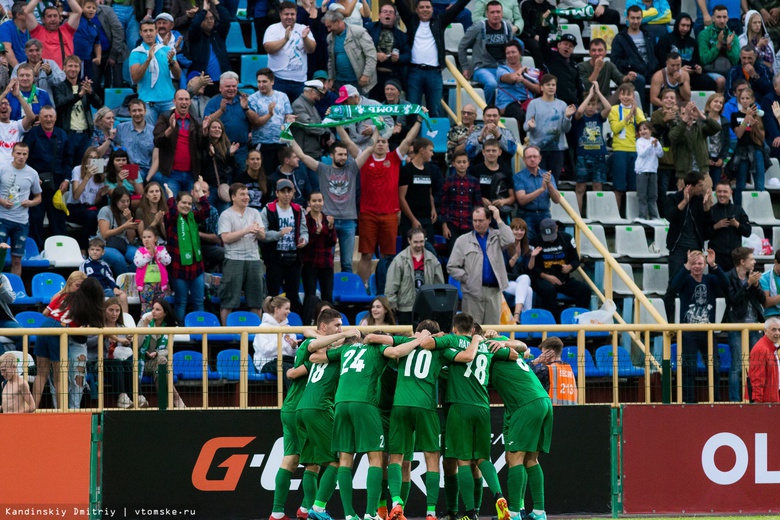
422,363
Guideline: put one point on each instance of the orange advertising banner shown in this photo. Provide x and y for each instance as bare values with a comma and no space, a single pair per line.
46,461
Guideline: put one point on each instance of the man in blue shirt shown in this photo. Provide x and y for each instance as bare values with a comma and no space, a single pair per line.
137,136
14,34
151,68
35,97
273,109
534,189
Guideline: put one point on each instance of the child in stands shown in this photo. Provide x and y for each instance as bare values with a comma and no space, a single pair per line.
591,145
151,277
623,120
648,150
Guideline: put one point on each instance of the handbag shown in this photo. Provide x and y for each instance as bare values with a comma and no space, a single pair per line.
115,242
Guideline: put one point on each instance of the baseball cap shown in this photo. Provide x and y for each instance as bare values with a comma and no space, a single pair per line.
164,16
567,37
316,85
548,230
284,183
346,92
321,74
2,48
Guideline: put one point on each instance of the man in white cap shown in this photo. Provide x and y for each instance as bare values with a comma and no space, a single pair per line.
165,34
287,44
310,139
360,133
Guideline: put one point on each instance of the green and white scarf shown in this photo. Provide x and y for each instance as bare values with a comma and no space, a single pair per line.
189,239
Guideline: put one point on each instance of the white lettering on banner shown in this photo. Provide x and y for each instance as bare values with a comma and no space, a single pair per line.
763,475
268,479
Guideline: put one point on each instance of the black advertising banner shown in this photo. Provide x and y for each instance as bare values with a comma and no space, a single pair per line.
222,464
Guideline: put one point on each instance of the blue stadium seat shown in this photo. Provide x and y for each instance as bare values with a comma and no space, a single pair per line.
569,316
235,40
569,355
437,132
360,316
243,319
536,317
114,97
188,366
250,64
344,319
372,283
535,351
452,281
626,368
18,287
724,351
46,285
32,320
349,288
229,366
32,257
205,319
294,320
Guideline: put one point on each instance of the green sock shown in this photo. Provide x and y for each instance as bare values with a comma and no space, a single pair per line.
432,490
394,476
516,482
309,488
385,496
327,486
451,493
406,487
283,477
373,489
536,483
491,476
466,484
478,488
345,489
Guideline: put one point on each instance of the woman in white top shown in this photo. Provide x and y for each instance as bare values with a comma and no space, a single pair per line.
87,188
276,309
353,13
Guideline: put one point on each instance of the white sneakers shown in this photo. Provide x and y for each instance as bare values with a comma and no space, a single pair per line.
125,402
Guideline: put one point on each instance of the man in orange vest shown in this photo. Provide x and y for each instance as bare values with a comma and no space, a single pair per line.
556,376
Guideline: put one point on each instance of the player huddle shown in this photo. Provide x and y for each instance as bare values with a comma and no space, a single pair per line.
379,394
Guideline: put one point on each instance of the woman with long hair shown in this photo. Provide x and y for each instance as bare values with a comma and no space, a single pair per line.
104,132
117,227
151,212
276,310
154,349
748,157
118,357
255,181
518,256
755,34
718,144
317,255
219,163
87,190
117,174
379,313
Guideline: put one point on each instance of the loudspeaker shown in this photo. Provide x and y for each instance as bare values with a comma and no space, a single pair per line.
437,302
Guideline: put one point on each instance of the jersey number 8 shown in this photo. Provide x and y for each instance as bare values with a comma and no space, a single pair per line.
480,371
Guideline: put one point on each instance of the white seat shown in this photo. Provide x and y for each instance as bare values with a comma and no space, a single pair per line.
631,241
618,285
128,320
759,232
758,206
775,238
511,124
586,246
466,99
126,282
645,316
446,76
602,207
632,206
528,61
700,97
559,214
453,34
660,239
62,251
575,30
655,278
773,172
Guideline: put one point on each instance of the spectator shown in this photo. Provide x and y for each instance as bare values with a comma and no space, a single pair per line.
425,30
360,133
459,134
310,15
515,88
717,144
518,273
152,68
119,231
689,141
745,305
748,155
554,121
351,53
50,157
354,11
151,276
495,185
663,119
656,15
19,191
45,72
178,136
128,18
534,189
601,72
553,259
770,120
340,180
622,121
419,187
207,34
255,181
379,314
770,281
14,34
103,131
561,65
95,267
287,44
168,37
57,39
35,97
591,145
197,88
211,246
153,352
12,131
732,105
758,75
219,163
183,11
464,18
289,168
265,357
151,211
729,224
681,41
137,137
330,97
305,111
632,51
705,14
717,49
392,50
491,130
117,173
269,110
87,190
181,227
114,51
236,112
537,15
118,368
510,13
556,376
74,100
648,150
764,383
317,255
487,39
412,268
86,40
755,34
477,263
461,193
671,77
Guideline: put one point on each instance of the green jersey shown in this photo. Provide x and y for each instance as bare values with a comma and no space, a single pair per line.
417,376
516,383
467,382
297,385
387,384
361,367
322,383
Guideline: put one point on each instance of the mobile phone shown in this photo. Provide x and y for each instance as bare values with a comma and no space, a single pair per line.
132,171
100,164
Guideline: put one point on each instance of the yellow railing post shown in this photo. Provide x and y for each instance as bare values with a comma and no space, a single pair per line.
101,374
607,280
647,368
62,391
745,362
169,372
136,365
279,368
710,367
615,378
243,378
580,367
679,368
204,370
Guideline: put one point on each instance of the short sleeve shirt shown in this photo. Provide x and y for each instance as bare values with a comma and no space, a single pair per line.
417,376
322,382
245,248
90,192
419,187
269,133
361,367
10,33
590,140
17,186
524,181
467,382
516,383
290,62
297,386
379,184
339,188
51,42
10,134
163,90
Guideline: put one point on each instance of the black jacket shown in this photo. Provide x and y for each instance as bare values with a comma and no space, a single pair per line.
49,155
626,57
570,88
676,218
65,100
439,23
202,44
723,241
739,297
687,47
400,42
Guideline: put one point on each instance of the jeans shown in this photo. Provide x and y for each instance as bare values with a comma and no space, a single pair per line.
78,143
293,89
623,173
312,275
184,290
77,366
57,224
119,262
758,177
735,371
695,343
215,201
345,230
13,324
126,15
463,18
285,278
155,108
429,83
488,79
552,161
532,220
647,194
177,181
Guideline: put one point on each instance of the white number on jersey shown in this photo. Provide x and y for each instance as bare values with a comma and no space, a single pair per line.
317,371
356,364
480,363
421,361
522,364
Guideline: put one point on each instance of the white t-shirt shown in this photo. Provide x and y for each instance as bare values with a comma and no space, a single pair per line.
10,134
286,219
424,50
16,186
290,62
244,248
90,191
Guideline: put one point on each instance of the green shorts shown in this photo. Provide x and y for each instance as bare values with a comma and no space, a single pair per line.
414,427
292,446
468,435
357,428
530,427
315,431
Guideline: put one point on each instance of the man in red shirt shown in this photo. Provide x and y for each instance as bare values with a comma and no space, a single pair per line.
178,134
57,38
379,206
764,371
